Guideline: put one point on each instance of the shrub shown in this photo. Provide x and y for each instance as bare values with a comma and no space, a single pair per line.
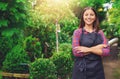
14,60
64,63
66,47
33,47
42,69
5,46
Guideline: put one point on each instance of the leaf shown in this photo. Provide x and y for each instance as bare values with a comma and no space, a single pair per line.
9,32
3,6
3,23
18,1
13,9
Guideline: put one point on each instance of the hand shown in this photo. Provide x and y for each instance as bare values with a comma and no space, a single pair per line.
82,49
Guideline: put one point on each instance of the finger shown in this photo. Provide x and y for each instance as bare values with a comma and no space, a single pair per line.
76,47
104,45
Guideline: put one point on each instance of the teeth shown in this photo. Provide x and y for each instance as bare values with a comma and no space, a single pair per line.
89,20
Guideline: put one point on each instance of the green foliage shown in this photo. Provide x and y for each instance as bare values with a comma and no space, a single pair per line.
116,73
63,63
46,37
65,47
5,46
84,3
3,22
50,11
14,60
109,30
10,32
12,20
33,47
9,39
43,19
0,74
111,24
13,13
63,60
42,69
67,28
3,6
113,18
7,43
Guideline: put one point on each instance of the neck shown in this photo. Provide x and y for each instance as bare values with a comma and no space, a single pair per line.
88,28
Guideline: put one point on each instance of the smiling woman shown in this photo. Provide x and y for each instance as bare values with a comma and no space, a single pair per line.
88,45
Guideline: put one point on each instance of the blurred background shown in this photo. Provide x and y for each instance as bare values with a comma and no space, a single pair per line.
36,37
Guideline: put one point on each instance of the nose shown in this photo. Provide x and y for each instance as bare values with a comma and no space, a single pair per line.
89,16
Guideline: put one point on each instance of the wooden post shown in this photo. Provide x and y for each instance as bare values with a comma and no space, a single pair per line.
15,75
57,30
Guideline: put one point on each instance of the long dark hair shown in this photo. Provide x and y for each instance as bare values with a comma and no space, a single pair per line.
96,22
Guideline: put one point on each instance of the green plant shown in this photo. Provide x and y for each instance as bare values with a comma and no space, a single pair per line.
0,74
12,21
65,47
42,69
33,47
15,60
110,30
64,63
5,46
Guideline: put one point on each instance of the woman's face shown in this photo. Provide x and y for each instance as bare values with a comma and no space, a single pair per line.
89,17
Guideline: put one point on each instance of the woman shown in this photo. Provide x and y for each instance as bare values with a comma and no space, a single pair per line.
89,44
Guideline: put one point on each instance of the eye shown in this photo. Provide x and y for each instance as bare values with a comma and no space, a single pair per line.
86,14
92,14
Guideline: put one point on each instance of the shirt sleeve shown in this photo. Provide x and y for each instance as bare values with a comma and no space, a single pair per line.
106,50
76,42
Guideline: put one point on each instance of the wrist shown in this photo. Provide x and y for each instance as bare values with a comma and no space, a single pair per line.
90,49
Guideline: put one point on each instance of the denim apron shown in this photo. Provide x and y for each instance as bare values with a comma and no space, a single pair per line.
89,66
